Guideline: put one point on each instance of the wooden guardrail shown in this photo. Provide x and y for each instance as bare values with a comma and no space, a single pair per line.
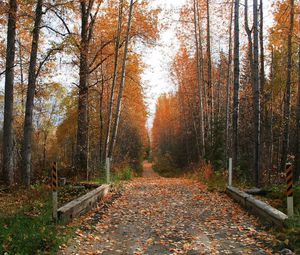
82,204
257,207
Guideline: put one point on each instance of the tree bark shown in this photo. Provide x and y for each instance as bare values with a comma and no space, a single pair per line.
87,24
121,86
235,117
271,112
257,107
262,51
287,101
8,140
250,43
115,72
199,83
264,111
228,81
209,72
28,125
297,167
206,121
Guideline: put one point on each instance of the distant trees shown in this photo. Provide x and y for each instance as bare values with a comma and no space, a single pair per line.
255,114
40,124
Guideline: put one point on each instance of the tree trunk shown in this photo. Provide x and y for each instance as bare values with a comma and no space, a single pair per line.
82,118
209,72
228,81
271,112
115,72
250,44
101,119
199,83
28,125
235,117
264,111
262,51
287,101
297,167
201,59
121,86
257,109
8,140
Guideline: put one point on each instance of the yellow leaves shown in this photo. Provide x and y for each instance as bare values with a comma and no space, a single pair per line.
286,242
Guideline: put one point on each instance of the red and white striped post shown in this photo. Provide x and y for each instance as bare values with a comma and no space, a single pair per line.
289,191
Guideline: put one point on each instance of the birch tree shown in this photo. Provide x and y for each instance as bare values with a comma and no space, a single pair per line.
236,78
120,95
199,78
297,168
228,83
287,97
256,84
115,72
209,70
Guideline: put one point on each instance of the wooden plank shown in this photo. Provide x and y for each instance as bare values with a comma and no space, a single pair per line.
258,208
82,204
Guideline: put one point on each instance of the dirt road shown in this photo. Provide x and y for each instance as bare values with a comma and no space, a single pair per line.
170,216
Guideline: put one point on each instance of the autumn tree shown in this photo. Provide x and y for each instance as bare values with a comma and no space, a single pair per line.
287,98
28,127
8,140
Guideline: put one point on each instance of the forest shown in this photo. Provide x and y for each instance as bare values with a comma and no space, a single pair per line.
237,91
77,127
65,67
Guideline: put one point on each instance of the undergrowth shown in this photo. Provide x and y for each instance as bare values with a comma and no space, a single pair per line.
165,167
31,230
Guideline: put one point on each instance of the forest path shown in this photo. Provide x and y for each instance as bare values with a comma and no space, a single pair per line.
159,216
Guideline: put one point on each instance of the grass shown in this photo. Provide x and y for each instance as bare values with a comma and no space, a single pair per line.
26,225
30,228
276,197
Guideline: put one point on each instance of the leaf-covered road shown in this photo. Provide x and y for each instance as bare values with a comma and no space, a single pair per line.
170,216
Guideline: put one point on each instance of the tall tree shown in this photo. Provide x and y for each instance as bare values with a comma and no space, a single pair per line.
115,72
236,78
120,94
256,88
209,69
28,126
297,167
87,27
8,165
199,78
261,44
287,97
228,82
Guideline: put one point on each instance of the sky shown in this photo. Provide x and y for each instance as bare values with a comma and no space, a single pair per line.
156,78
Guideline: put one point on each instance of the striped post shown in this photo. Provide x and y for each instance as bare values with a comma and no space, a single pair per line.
289,193
54,184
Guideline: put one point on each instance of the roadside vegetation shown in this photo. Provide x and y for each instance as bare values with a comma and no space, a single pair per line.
26,220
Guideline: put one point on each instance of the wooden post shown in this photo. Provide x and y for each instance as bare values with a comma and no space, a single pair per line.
289,192
230,172
107,168
54,191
